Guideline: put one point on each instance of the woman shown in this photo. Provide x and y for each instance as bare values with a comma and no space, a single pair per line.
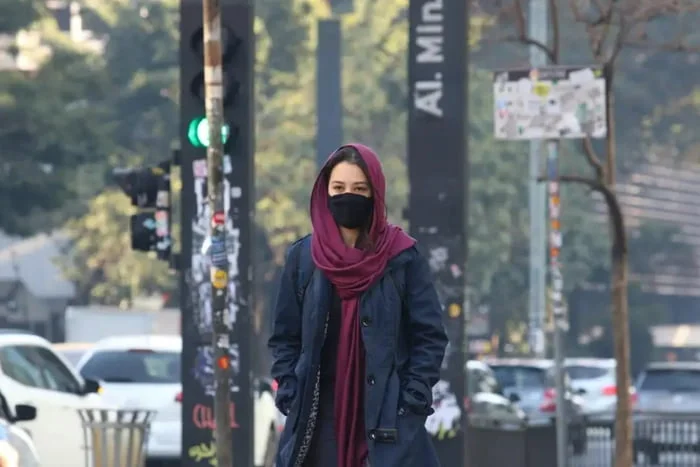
358,339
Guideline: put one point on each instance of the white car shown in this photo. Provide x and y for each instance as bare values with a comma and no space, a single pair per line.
18,437
594,381
31,373
144,372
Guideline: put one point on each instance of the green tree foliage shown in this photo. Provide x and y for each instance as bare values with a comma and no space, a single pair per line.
141,60
121,108
41,150
100,260
139,64
115,108
17,14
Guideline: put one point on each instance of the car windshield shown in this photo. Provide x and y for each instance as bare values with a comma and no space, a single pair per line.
516,377
133,366
670,380
579,372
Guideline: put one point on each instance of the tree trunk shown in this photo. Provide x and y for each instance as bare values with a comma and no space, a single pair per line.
618,277
620,321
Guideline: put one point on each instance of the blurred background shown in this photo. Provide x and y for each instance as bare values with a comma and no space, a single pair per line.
88,86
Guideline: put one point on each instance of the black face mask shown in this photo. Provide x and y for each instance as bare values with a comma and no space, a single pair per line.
350,210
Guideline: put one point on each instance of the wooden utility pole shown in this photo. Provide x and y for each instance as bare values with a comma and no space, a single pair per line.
213,91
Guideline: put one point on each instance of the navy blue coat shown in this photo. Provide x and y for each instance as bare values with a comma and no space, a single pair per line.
404,340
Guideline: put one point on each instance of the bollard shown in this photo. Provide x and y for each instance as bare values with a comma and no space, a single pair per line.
115,438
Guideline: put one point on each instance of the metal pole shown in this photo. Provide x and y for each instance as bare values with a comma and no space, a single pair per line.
557,302
213,89
329,98
537,24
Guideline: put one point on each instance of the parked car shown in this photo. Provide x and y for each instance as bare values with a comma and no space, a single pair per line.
530,383
142,372
16,436
31,373
267,430
485,402
145,372
594,380
668,408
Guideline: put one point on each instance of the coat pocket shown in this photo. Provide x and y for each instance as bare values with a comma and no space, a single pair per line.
405,445
409,424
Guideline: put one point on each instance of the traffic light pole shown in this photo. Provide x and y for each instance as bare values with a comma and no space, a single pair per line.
213,91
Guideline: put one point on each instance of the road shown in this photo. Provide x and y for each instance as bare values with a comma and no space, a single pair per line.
600,451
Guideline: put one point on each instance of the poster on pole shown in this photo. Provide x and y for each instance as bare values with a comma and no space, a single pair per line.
549,103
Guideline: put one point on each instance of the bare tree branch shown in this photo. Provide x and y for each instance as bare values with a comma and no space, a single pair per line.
554,20
601,9
522,36
606,16
614,209
597,27
619,44
592,158
524,41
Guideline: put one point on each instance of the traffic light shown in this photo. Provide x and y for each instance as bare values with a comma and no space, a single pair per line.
234,65
149,190
198,132
238,55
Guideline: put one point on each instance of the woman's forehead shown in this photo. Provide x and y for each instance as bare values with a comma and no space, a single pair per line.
346,172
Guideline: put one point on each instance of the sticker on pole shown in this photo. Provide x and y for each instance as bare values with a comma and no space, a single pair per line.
454,310
218,219
218,253
219,279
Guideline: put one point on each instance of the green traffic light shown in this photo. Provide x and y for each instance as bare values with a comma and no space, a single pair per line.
198,132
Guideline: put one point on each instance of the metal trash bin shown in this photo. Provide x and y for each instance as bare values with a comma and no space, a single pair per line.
115,438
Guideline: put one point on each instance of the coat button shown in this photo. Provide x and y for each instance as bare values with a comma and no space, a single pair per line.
370,380
366,320
372,435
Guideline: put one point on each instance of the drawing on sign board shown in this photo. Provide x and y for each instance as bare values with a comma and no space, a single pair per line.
445,422
549,103
200,281
204,368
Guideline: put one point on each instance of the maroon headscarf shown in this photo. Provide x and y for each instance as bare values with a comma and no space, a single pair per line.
352,271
